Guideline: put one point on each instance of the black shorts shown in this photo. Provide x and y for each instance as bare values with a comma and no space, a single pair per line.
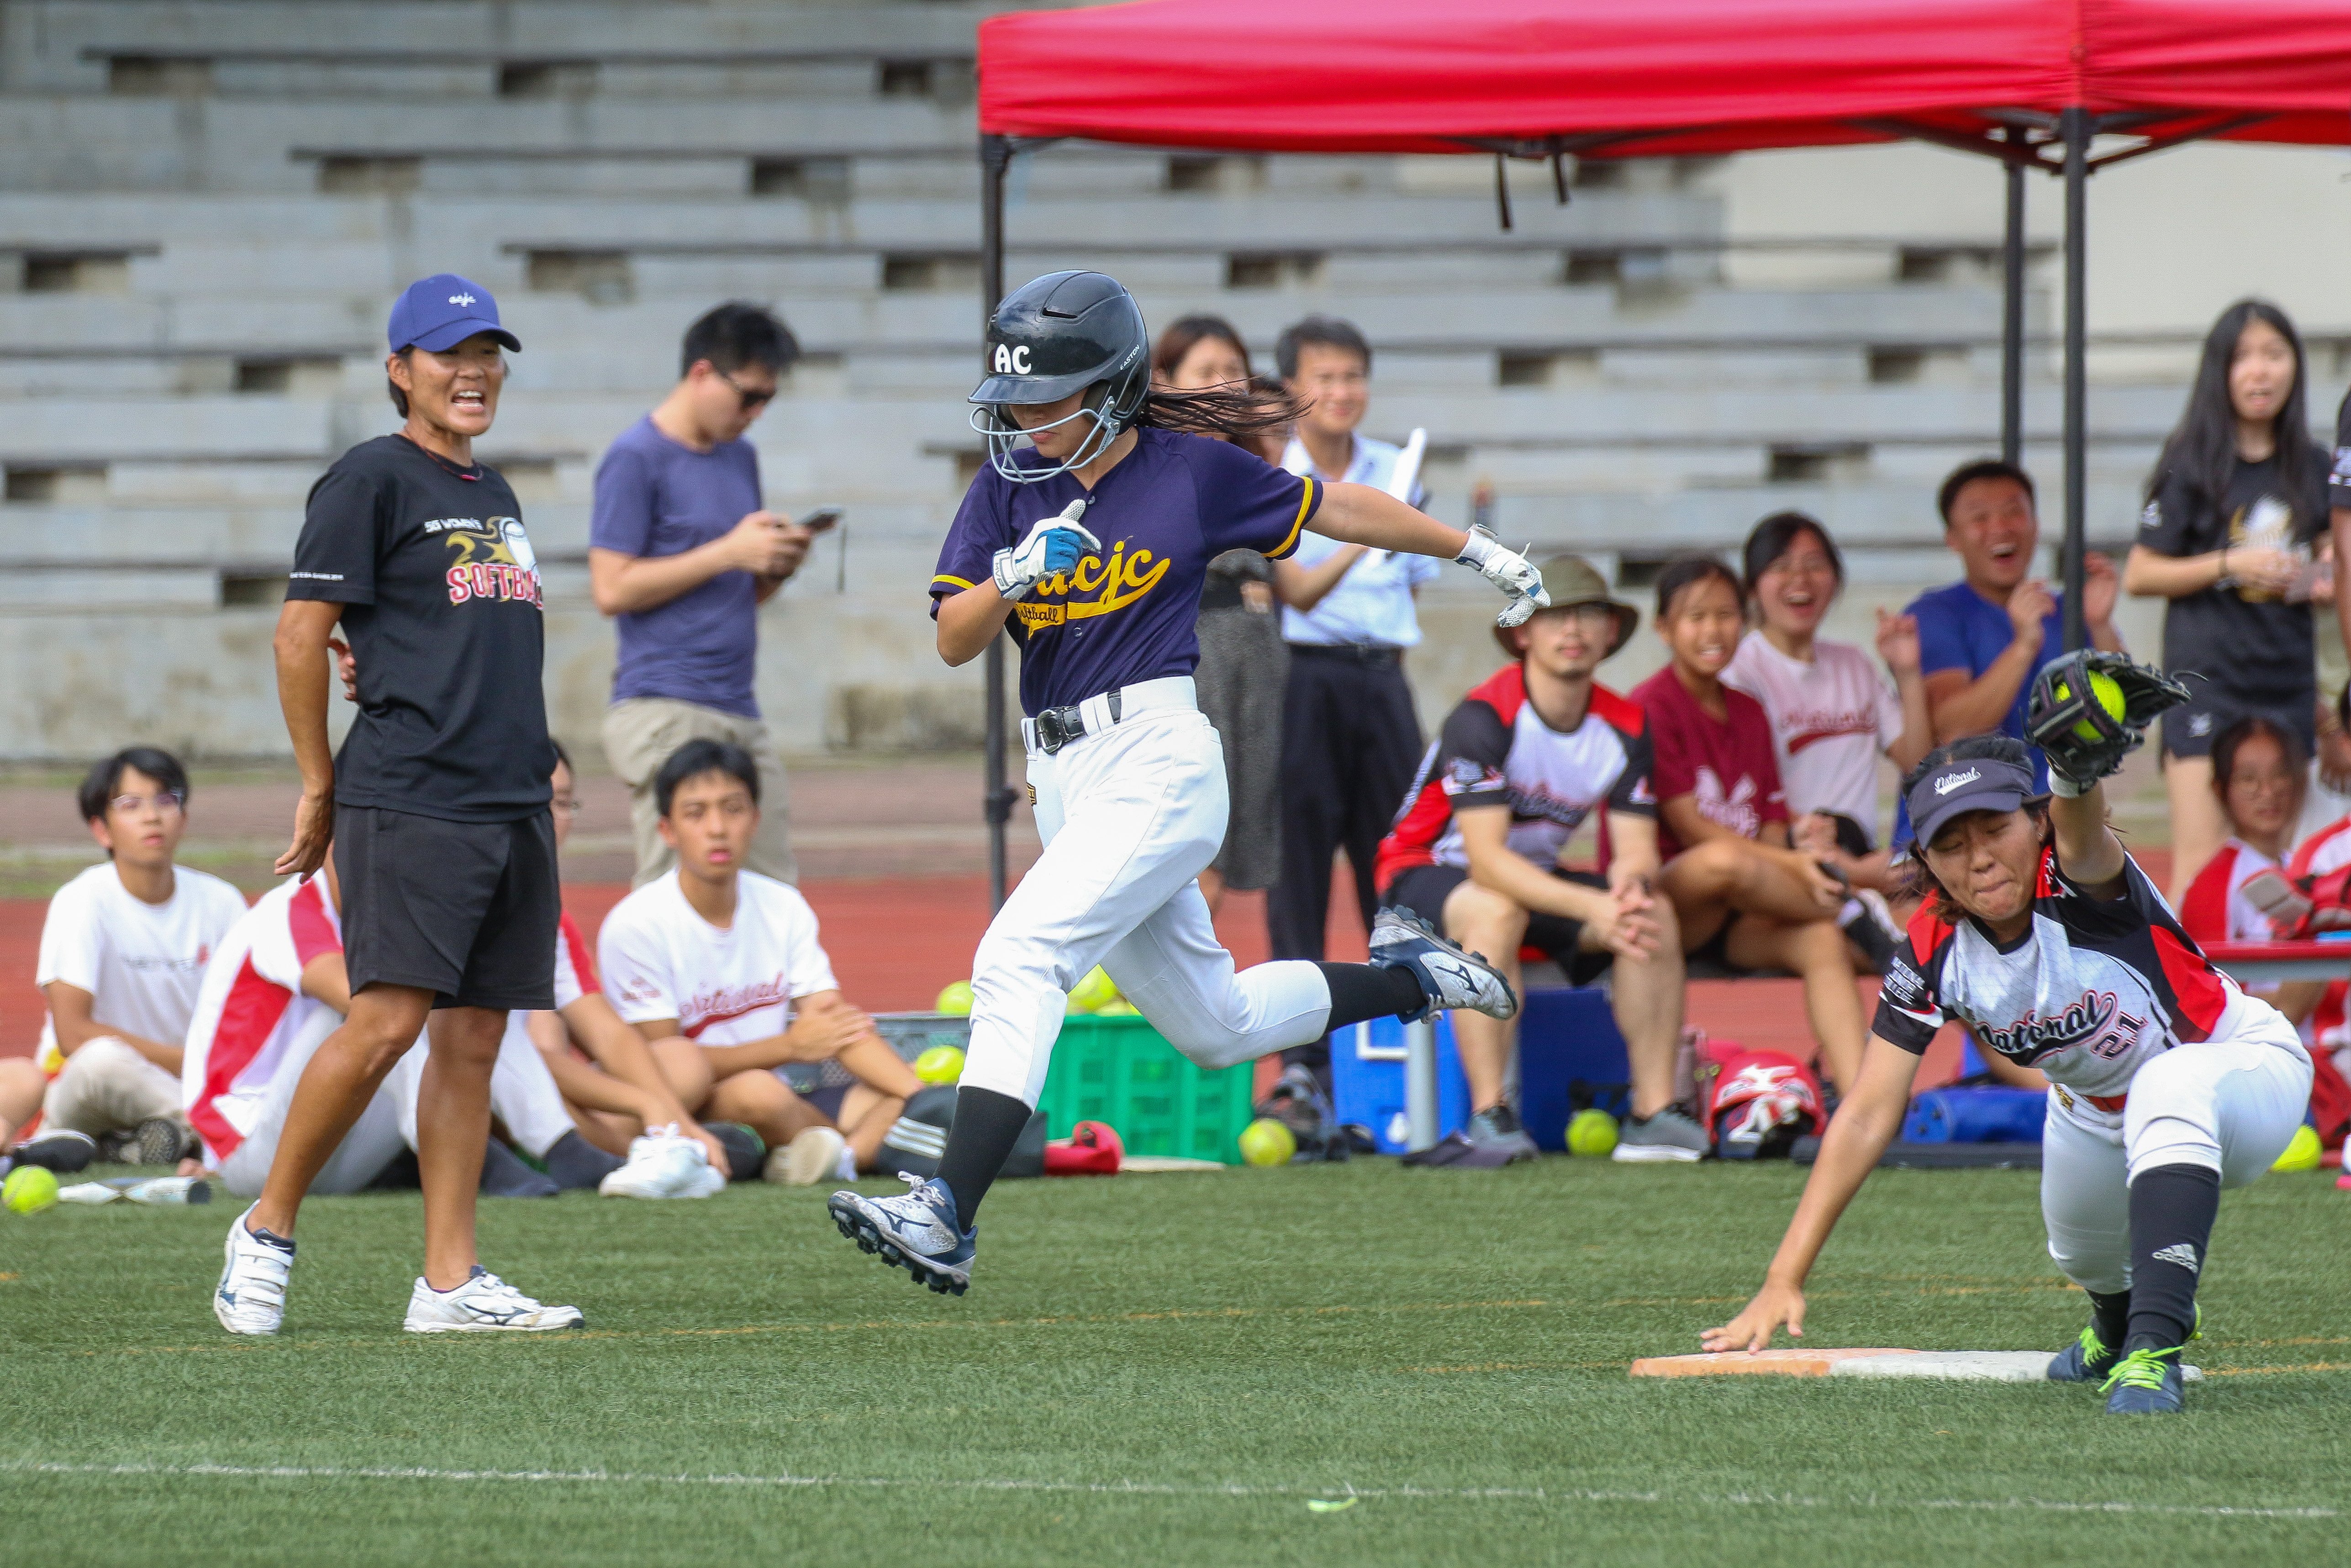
2191,729
464,910
1423,889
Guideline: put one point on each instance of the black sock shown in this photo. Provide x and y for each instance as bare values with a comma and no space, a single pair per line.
1360,991
572,1162
979,1140
2110,1317
503,1174
2171,1212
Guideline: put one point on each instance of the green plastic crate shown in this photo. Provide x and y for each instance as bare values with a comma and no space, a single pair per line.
1120,1069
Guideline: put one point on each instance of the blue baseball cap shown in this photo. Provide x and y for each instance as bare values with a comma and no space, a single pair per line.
443,310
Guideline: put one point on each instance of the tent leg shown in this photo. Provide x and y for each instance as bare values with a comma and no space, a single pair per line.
995,156
2012,323
2076,127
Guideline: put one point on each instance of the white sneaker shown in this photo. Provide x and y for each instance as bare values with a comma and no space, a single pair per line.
664,1164
251,1298
807,1159
483,1304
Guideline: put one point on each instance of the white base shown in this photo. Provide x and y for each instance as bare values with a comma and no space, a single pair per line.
1968,1366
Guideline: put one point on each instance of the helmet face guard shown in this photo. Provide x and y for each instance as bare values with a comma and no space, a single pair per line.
1064,333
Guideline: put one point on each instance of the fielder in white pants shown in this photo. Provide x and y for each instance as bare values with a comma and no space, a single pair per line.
2166,1082
1089,545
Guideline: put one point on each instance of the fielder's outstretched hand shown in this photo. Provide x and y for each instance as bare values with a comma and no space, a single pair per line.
1774,1305
1508,570
1054,545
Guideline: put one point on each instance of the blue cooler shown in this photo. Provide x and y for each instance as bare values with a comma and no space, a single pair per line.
1367,1081
1569,1049
1989,1114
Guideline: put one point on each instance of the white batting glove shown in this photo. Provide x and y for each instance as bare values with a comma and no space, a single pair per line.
1508,570
1054,545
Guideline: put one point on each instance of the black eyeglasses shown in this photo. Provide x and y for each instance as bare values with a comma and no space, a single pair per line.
751,399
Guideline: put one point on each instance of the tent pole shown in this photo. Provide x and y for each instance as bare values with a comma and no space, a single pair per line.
2012,323
2076,128
995,156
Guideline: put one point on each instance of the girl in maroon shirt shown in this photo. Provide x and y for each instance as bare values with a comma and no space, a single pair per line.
1743,896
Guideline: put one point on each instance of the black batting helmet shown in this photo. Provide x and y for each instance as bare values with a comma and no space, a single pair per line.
1063,333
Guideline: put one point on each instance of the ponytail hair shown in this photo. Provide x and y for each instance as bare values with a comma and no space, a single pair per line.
1239,411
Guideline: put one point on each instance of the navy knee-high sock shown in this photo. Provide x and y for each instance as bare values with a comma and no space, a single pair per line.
2171,1212
979,1140
1360,991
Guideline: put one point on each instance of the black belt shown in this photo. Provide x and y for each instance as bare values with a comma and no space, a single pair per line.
1377,653
1057,726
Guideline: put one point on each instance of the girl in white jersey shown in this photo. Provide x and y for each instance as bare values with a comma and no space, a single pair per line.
2166,1082
1127,776
1830,714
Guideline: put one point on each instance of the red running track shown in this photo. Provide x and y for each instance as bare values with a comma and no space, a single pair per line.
894,942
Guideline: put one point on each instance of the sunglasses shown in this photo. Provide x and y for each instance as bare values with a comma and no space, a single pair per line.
751,399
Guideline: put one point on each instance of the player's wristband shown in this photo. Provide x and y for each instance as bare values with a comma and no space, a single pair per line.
2065,789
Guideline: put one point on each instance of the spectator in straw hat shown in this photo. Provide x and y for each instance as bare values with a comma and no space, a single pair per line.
1526,756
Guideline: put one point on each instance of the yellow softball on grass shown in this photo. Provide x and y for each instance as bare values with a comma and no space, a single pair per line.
2108,692
2301,1151
29,1189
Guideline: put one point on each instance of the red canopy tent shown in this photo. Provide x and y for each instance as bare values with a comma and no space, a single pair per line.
2028,82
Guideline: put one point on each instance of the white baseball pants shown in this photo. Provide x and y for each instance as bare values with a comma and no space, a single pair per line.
372,1143
522,1095
2230,1104
1131,814
108,1086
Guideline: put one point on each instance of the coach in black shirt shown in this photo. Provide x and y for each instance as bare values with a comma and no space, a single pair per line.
437,808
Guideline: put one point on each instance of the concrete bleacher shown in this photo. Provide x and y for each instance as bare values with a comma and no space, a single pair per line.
207,206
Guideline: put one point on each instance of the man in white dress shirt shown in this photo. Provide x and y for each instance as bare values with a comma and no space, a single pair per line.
1350,739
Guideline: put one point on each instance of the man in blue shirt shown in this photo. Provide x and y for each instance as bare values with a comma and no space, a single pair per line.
1983,640
681,554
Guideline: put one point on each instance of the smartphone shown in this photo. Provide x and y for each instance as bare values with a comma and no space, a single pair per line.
816,522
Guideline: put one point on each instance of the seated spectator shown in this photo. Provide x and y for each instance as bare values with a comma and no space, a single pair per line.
720,968
122,953
1526,757
1982,639
612,1089
1831,717
1742,896
273,991
2258,774
2236,501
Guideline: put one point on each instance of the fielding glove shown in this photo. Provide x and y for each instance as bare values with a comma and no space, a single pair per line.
1054,545
2070,719
1508,570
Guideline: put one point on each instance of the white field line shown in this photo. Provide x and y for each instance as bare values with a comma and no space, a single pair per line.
1151,1489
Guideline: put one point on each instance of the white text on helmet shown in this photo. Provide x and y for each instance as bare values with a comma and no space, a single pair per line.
1011,359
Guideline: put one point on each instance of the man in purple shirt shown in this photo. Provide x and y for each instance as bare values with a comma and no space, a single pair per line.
682,554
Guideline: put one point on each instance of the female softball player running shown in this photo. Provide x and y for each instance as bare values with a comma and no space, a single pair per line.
2166,1082
1127,776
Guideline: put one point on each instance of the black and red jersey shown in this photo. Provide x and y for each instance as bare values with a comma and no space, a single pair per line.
1496,751
2094,990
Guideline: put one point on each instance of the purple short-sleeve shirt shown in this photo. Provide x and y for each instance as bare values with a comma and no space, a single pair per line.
657,497
1169,508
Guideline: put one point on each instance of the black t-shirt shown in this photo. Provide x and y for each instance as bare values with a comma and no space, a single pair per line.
445,616
2240,640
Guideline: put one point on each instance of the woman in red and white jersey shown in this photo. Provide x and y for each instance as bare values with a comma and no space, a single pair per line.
2166,1082
2258,771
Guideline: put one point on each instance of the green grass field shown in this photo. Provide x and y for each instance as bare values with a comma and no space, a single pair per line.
1160,1370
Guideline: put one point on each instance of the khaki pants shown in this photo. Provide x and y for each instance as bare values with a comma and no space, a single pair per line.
641,733
107,1087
